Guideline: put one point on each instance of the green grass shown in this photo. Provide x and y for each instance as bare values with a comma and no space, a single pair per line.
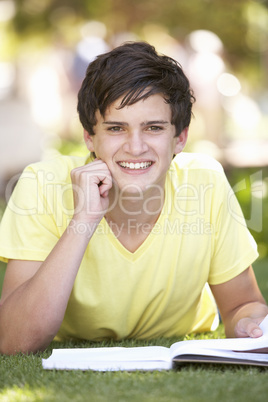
23,379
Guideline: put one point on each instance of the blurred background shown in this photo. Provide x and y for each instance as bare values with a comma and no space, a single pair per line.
222,45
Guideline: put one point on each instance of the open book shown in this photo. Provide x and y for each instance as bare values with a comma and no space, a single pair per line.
247,351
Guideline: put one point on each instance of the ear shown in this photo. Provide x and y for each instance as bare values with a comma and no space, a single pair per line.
181,141
88,141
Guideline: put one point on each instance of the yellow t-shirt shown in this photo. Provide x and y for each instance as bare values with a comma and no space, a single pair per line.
161,289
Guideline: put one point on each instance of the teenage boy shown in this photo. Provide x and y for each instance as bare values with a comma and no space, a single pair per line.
129,242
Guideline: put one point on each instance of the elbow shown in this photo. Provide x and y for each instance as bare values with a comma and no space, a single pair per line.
22,344
10,349
30,334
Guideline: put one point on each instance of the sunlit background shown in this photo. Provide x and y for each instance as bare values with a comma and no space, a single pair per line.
46,45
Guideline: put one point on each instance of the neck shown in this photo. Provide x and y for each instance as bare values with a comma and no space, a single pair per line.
143,207
133,216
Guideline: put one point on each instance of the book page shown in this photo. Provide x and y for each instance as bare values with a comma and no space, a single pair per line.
223,358
229,344
113,358
223,354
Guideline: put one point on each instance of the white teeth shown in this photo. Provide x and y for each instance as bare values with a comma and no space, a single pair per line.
137,165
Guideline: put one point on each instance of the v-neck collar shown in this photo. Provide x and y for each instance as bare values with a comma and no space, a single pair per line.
133,256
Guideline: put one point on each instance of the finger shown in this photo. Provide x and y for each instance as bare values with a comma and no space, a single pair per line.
95,172
96,164
105,185
104,194
248,327
253,330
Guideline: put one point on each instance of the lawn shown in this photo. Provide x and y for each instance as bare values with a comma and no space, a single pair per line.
23,379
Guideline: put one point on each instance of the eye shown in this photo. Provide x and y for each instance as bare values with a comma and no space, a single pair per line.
155,128
115,129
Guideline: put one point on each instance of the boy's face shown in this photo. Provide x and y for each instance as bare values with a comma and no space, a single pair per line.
137,143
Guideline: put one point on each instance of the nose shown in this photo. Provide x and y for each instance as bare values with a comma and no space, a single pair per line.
135,143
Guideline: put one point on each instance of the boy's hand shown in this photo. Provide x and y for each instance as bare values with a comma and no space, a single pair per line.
91,185
248,327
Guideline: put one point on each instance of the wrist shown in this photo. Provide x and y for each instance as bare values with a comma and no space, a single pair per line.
82,228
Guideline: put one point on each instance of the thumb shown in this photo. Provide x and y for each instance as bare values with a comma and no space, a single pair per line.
248,327
104,194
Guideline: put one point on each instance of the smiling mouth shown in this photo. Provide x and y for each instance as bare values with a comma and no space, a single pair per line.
135,165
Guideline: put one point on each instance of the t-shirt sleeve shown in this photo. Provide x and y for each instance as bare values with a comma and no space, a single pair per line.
28,230
234,247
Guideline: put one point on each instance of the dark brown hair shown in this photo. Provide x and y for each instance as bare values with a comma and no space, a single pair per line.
134,71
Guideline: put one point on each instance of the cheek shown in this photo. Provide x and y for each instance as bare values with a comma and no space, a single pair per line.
109,147
168,149
97,147
103,150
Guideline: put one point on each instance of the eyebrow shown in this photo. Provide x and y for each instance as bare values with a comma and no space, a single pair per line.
145,123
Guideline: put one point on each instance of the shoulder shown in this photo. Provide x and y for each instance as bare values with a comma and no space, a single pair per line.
196,161
57,168
197,169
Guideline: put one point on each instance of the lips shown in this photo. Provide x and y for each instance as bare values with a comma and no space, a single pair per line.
135,165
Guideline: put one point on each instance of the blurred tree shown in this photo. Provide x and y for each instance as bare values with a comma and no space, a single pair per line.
227,18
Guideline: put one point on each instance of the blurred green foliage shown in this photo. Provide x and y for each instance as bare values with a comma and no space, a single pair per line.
244,177
72,147
229,19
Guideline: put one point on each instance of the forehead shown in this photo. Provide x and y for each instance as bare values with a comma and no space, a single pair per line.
155,105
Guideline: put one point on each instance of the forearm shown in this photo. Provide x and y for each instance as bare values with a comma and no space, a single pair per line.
241,304
31,316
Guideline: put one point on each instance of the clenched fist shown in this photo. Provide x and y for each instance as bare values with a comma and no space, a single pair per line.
91,185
